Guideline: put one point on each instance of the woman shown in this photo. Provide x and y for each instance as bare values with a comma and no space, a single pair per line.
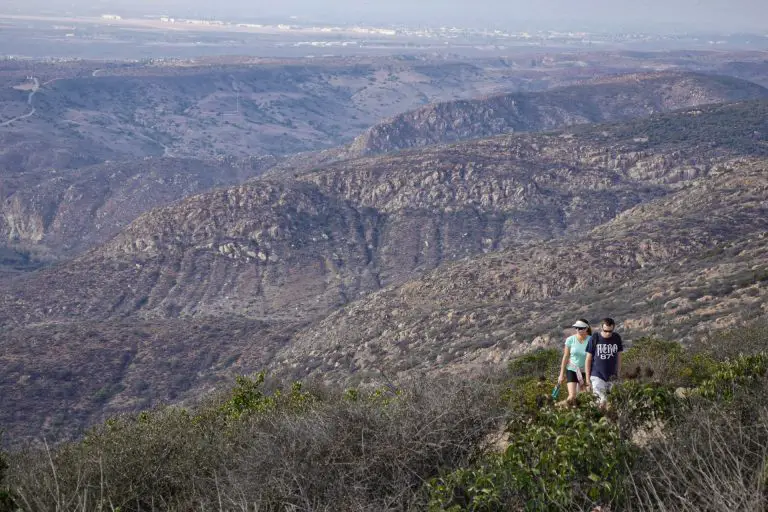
572,368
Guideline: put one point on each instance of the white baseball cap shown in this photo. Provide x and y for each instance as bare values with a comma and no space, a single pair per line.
581,324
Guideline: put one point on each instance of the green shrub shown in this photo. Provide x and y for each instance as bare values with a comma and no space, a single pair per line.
530,383
635,404
731,376
700,367
524,397
539,363
565,459
666,362
379,395
249,397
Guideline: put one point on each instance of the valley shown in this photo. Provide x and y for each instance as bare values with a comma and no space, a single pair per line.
449,258
166,226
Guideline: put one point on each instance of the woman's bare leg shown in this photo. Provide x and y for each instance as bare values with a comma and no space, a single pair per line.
573,390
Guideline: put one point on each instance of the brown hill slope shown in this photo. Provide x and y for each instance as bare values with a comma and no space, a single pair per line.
675,266
605,99
68,212
60,378
310,244
287,252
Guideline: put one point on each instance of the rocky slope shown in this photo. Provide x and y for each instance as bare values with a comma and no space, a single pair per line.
659,222
301,247
58,117
49,213
679,266
605,99
69,212
110,117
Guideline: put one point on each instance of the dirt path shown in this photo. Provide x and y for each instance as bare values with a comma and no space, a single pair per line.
35,88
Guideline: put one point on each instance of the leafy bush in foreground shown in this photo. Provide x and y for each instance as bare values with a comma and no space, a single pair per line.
729,376
567,459
637,405
576,459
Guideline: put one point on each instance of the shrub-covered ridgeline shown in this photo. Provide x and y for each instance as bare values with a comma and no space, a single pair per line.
685,430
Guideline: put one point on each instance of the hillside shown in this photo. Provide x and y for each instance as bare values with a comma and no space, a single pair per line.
242,278
77,136
58,118
677,266
309,244
605,99
69,212
67,186
59,378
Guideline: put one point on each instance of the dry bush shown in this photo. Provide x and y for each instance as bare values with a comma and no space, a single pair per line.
742,339
715,458
161,460
368,451
366,454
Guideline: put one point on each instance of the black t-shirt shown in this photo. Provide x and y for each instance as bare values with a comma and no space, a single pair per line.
605,355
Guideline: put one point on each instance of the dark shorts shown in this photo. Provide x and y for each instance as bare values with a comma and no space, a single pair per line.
570,376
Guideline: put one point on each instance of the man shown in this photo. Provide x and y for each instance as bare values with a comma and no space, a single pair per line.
603,364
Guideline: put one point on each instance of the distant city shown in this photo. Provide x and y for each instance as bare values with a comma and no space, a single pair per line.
452,32
160,35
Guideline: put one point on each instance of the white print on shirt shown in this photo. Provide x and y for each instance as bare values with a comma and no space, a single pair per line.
606,350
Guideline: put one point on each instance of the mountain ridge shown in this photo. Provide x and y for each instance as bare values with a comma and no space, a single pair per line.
601,100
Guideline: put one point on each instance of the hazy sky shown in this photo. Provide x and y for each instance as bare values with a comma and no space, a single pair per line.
705,14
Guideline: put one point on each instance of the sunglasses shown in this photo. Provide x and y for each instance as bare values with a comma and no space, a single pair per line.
581,328
607,330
